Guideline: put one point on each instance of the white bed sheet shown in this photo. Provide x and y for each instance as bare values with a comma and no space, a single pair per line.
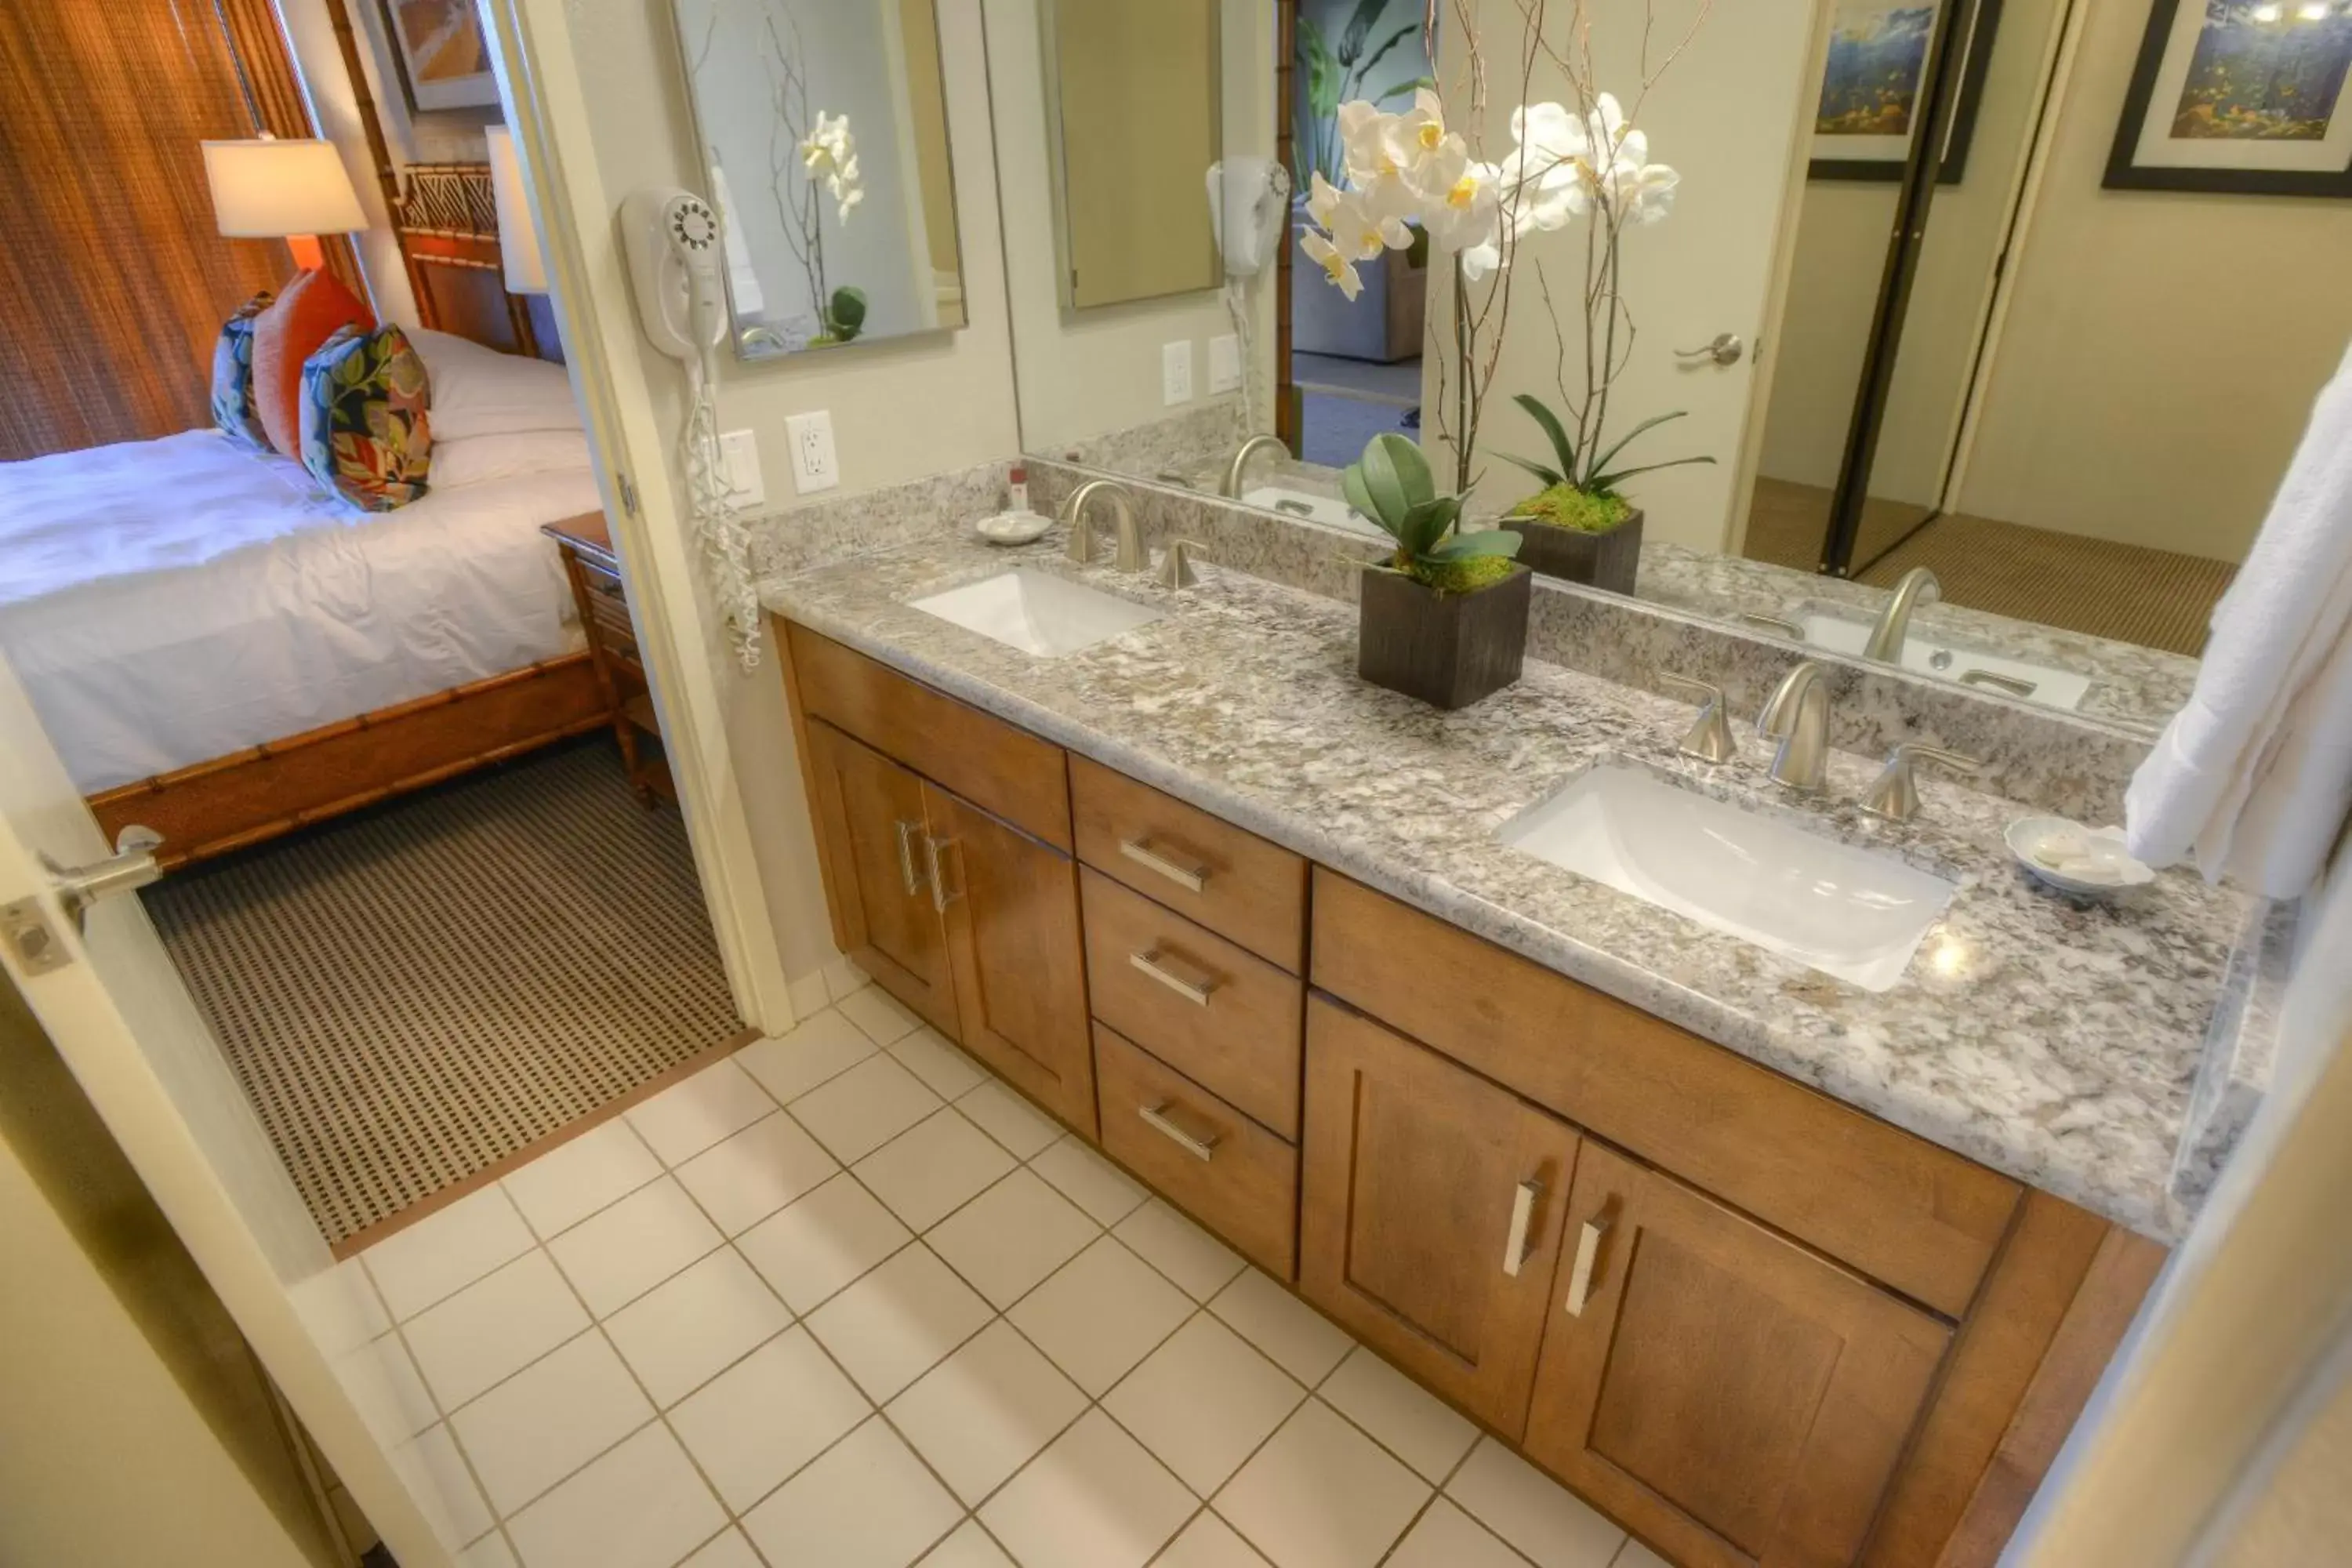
168,602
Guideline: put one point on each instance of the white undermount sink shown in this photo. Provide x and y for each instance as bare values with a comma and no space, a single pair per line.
1331,511
2035,683
1854,913
1037,612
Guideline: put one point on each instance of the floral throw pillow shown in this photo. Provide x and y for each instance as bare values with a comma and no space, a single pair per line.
367,434
234,409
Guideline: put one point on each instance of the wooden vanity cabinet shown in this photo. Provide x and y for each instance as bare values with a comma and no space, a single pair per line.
1731,1395
1430,1208
871,818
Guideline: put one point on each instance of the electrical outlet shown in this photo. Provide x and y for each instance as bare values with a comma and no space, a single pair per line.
1224,364
813,465
738,468
1176,372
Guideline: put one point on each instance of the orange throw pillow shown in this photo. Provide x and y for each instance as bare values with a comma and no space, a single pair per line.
306,315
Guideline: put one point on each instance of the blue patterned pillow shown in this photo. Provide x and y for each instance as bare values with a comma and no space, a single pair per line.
233,406
367,432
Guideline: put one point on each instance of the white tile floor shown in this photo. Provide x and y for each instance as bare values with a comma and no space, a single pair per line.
845,1300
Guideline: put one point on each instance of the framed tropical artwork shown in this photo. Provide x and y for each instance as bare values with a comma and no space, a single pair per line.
2244,96
445,61
1872,88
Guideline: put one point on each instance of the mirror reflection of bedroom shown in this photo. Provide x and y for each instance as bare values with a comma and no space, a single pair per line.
304,571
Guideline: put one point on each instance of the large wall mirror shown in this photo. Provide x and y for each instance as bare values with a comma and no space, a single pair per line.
824,131
1936,291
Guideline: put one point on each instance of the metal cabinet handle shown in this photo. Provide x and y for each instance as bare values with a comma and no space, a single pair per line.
940,897
1190,875
1523,1215
1196,991
1156,1118
1588,1258
906,872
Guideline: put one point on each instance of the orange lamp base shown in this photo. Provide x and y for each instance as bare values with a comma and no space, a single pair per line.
309,251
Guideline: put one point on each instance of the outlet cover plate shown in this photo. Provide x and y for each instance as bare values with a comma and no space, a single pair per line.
1176,372
739,461
814,467
1224,364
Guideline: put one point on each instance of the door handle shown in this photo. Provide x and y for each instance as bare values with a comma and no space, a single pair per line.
906,872
1196,991
1191,875
1724,348
1587,1257
1156,1117
1523,1215
940,897
131,866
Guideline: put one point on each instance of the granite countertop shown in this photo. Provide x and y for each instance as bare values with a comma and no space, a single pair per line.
2056,1042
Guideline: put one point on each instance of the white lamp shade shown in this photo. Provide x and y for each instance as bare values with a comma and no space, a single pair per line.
525,267
268,189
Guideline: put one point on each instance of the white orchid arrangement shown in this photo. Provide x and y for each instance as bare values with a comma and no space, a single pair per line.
829,152
1568,161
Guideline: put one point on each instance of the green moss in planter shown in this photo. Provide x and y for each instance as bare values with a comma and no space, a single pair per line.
1569,507
1465,574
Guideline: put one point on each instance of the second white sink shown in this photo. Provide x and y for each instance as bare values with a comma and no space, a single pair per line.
1331,510
1854,913
2037,683
1037,612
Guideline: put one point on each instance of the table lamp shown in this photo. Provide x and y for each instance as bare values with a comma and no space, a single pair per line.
294,190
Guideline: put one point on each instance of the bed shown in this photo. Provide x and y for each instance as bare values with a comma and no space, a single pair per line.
223,652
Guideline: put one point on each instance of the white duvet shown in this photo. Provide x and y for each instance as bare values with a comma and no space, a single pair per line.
168,602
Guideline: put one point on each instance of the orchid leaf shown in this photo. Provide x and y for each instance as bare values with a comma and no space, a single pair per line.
1383,484
1563,446
1606,484
1487,541
1625,440
1360,495
1426,523
1549,477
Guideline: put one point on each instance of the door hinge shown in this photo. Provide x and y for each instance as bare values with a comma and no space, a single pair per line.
628,495
31,938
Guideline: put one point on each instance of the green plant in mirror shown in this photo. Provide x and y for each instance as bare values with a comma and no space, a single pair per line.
845,313
1581,484
1392,485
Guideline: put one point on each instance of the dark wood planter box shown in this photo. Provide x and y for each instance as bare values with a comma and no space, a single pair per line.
1604,559
1446,650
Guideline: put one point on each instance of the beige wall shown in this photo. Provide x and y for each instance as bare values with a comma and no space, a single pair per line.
1842,237
1088,372
2162,349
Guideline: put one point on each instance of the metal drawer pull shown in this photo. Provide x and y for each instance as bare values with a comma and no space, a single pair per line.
1196,991
1156,1118
1522,1214
906,872
940,897
1193,877
1588,1258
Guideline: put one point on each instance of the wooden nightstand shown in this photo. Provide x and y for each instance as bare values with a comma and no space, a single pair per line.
595,571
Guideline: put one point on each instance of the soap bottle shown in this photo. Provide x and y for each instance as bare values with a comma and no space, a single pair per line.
1020,482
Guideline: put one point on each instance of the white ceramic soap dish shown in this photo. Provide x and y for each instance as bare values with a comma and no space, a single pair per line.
2088,862
1012,527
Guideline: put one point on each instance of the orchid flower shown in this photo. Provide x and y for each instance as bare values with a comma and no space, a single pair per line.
830,152
1335,265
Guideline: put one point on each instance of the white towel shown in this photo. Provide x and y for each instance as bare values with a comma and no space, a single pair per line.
2255,776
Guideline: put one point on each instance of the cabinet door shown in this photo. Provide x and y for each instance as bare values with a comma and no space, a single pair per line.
1730,1395
870,811
1011,906
1432,1208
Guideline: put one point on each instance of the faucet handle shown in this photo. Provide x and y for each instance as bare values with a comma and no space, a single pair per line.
1176,563
1710,733
1895,795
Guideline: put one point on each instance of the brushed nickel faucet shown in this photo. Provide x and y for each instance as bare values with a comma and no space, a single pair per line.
1894,794
1915,587
1232,487
1083,550
1797,715
1709,739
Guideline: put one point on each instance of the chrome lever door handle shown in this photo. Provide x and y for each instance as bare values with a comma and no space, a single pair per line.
130,866
1724,348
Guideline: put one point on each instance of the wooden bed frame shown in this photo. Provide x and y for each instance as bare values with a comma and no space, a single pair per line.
447,226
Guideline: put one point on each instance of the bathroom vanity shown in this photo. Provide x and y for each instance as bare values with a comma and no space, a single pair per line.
1770,1266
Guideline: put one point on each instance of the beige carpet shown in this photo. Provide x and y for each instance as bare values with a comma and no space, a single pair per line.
413,996
2156,599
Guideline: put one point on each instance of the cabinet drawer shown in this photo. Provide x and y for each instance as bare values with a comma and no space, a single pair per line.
1235,1177
1234,883
1918,1217
1220,1013
993,765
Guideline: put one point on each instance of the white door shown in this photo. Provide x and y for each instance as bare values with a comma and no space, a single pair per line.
111,1000
1731,114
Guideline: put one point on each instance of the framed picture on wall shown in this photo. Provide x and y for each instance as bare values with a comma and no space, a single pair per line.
2241,96
445,61
1871,87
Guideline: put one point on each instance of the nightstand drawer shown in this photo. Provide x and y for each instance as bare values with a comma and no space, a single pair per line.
1234,1176
1232,881
1207,1007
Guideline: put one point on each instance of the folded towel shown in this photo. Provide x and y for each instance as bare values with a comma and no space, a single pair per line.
2255,776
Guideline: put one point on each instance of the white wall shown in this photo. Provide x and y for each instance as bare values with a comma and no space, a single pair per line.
1088,372
2162,349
